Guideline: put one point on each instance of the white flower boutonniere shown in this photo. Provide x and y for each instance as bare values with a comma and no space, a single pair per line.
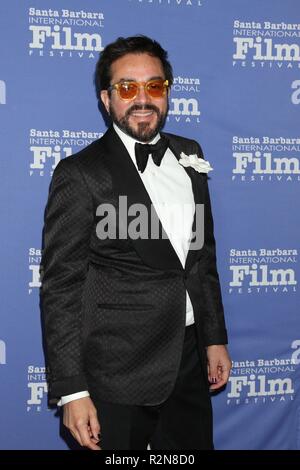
200,165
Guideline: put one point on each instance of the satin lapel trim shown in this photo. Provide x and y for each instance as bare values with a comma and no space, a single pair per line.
197,187
157,253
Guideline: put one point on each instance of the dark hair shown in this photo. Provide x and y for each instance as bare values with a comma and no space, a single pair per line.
132,45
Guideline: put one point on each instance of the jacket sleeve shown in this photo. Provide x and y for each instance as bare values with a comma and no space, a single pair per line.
66,240
214,329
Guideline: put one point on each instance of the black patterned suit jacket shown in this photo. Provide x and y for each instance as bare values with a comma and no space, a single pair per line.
114,310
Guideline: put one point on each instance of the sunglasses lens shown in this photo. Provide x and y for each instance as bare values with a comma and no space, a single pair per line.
156,88
128,91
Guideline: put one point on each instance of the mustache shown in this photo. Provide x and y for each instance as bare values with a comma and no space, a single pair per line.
144,107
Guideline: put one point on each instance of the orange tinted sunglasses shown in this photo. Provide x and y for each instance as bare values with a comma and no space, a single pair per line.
129,90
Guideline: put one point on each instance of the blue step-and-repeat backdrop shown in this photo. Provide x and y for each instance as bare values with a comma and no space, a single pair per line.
237,91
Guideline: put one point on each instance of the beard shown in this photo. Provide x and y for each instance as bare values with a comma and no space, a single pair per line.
144,132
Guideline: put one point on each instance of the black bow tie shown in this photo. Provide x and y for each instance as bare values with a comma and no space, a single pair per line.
157,151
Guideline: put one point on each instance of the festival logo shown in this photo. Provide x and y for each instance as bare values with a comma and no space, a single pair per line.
37,388
65,33
35,256
262,271
48,147
267,45
251,384
184,100
262,381
265,159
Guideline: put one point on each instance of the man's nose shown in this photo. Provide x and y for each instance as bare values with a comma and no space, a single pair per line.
142,96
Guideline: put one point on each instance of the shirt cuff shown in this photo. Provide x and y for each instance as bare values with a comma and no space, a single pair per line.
73,396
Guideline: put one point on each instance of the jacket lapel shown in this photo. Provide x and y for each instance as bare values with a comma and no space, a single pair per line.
156,252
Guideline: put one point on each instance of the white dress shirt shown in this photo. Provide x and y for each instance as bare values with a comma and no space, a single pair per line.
170,190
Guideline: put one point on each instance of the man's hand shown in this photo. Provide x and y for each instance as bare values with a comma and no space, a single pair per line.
80,417
218,365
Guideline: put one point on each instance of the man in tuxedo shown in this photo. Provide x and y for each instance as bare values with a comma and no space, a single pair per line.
131,302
